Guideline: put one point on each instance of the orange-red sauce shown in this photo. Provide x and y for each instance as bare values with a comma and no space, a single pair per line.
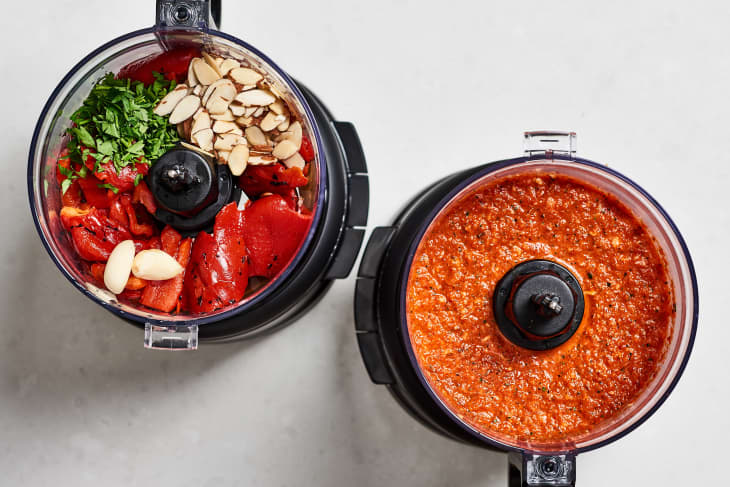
559,394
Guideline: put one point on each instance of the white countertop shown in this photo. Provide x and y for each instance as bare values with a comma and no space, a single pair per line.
432,87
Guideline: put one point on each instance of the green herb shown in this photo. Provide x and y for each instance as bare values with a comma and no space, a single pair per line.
116,123
108,186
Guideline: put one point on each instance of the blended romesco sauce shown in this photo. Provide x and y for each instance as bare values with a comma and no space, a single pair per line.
538,396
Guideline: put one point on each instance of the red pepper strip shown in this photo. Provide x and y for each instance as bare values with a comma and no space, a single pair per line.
306,150
133,283
94,195
165,295
150,243
218,271
172,64
272,232
72,196
94,234
275,178
118,213
140,222
142,194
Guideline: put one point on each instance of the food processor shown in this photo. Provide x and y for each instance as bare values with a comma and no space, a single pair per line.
386,345
337,194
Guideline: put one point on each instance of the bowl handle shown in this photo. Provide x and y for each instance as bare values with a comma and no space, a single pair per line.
534,470
171,337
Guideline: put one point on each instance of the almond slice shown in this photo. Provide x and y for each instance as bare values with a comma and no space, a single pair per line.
170,101
283,126
255,136
226,142
227,65
270,121
256,98
284,149
279,108
192,79
204,72
155,265
223,156
259,111
217,105
294,133
249,111
197,149
223,127
212,63
204,139
244,121
264,160
118,266
200,122
185,109
294,161
226,116
197,90
245,76
236,109
238,160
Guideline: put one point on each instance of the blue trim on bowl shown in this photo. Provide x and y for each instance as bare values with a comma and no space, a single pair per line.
270,287
419,236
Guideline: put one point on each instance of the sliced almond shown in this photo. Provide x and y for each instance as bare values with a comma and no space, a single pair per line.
223,155
185,109
270,121
283,126
255,136
200,122
155,265
217,105
204,139
238,160
213,63
294,133
227,65
260,98
225,116
247,87
118,266
204,72
279,108
192,79
197,90
244,121
261,149
264,160
224,127
259,111
249,111
226,142
170,101
197,149
295,161
284,149
236,109
245,76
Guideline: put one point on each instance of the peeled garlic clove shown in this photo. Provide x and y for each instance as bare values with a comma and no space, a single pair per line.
155,265
284,149
170,101
238,159
118,266
185,109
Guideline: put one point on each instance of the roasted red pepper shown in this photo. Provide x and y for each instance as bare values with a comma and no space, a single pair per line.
275,178
173,64
140,222
217,275
93,194
272,232
306,150
167,295
72,196
93,233
142,194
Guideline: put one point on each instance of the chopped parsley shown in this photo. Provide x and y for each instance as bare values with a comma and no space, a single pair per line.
116,123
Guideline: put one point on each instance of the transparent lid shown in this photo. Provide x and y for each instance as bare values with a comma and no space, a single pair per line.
49,140
680,270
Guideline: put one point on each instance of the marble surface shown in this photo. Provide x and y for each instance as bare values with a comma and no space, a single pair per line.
432,87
